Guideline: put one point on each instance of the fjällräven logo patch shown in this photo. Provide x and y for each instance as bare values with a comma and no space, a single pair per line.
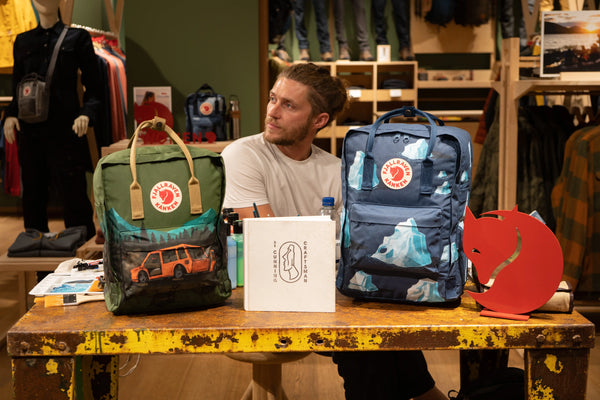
396,173
26,90
206,108
166,196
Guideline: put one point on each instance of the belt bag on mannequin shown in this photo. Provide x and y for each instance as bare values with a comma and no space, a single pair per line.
33,97
33,92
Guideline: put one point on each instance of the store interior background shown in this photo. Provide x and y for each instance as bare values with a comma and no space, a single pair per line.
225,44
184,44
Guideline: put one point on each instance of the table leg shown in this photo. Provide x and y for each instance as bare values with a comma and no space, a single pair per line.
65,378
266,382
22,292
556,373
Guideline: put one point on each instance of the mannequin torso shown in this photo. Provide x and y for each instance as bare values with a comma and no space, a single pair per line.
48,12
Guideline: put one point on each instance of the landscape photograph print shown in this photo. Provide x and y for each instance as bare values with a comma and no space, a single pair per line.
570,42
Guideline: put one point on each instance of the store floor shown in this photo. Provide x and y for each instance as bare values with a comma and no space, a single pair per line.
184,377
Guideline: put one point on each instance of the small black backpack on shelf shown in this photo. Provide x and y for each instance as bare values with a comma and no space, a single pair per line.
206,112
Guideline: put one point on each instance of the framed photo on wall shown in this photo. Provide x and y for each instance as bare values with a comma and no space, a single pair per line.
570,42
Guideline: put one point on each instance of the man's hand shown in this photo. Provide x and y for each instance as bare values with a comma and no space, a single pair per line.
80,125
11,125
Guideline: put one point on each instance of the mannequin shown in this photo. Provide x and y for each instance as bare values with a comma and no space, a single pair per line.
48,14
54,153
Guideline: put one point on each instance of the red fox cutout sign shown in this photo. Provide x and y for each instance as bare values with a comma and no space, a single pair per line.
522,253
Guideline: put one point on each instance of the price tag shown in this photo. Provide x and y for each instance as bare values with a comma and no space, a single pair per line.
355,93
396,93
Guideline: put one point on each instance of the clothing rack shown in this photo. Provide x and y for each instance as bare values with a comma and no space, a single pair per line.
97,32
113,14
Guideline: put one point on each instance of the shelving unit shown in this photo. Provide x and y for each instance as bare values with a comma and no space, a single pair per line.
456,98
367,99
511,89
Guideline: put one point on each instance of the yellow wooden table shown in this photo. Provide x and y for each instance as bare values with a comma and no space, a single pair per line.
52,348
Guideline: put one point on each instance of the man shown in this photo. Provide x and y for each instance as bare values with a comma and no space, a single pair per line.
284,174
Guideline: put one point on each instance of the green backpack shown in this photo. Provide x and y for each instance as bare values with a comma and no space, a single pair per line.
159,208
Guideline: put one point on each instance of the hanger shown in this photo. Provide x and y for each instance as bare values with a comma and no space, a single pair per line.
592,116
578,117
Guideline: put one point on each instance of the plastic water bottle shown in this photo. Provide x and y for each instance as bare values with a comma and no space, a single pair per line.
328,209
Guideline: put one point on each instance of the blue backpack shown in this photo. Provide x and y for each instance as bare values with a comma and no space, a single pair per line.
206,111
405,189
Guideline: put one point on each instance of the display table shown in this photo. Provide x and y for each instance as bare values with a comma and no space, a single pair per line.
64,340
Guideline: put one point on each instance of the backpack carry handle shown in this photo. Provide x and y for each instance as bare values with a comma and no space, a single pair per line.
205,88
427,170
135,190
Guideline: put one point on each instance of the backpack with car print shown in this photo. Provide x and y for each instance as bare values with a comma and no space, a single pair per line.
159,208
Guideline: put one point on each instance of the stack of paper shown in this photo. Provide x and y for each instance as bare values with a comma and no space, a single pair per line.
73,277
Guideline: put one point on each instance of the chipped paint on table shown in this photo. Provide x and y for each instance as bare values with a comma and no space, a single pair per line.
553,343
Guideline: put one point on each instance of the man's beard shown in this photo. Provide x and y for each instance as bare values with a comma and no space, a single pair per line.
290,136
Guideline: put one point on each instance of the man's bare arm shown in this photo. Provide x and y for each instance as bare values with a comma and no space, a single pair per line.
264,210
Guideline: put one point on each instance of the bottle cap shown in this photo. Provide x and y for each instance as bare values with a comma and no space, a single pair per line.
328,201
238,227
233,217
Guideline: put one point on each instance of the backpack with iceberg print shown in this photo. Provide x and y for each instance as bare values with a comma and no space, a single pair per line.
405,189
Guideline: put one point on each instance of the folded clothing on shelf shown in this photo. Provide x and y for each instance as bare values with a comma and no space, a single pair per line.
33,243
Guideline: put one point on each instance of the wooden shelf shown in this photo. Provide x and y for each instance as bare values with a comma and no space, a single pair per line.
453,84
367,99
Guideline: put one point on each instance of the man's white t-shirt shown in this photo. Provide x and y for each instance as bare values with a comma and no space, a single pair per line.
258,172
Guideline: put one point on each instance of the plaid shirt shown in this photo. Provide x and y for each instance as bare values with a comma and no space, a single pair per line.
576,206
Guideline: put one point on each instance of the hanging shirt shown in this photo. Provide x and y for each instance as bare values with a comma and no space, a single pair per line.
575,200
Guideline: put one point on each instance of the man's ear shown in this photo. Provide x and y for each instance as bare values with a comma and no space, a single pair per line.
321,120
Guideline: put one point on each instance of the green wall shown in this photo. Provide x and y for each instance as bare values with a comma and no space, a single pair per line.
184,44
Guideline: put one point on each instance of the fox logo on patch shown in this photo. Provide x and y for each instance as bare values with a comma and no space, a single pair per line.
27,90
206,108
166,196
396,173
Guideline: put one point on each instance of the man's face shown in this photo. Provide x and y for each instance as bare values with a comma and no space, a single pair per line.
289,114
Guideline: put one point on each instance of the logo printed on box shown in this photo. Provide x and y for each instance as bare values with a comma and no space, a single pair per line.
396,173
165,196
289,261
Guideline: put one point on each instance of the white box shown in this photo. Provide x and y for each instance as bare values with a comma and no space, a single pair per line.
289,264
384,53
